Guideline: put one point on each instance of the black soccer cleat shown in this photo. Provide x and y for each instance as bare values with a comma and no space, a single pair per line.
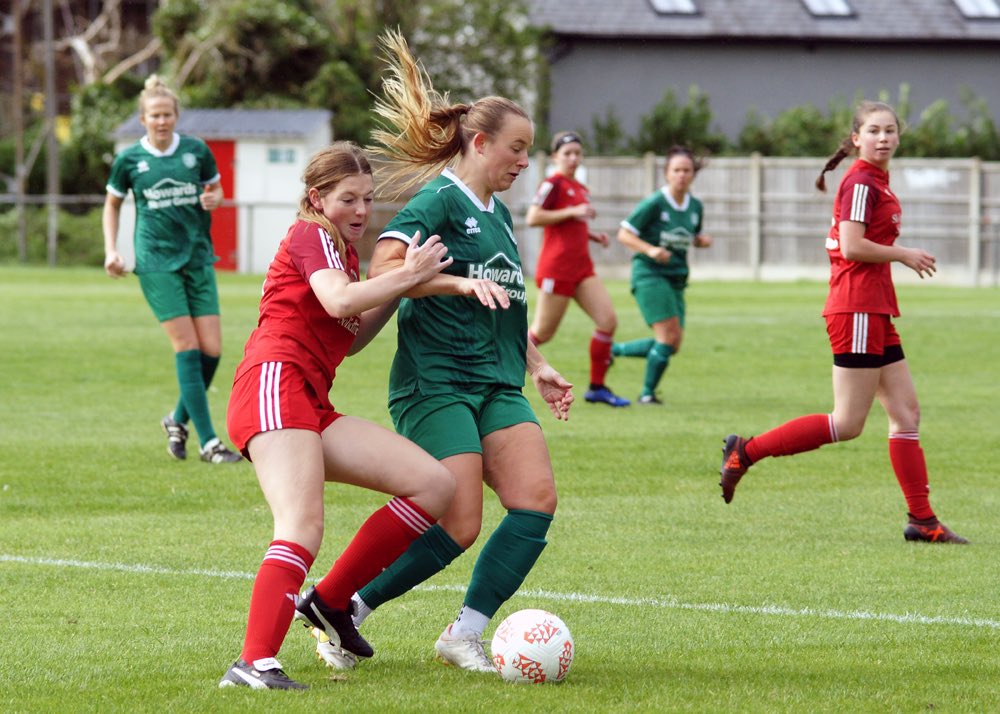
262,674
931,530
177,436
734,464
337,624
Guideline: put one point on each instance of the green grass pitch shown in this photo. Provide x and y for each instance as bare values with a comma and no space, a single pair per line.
125,576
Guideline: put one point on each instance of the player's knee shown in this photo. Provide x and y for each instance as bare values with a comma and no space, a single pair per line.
436,491
539,336
849,429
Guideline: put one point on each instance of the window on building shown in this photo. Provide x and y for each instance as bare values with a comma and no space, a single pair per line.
674,7
829,8
976,9
280,156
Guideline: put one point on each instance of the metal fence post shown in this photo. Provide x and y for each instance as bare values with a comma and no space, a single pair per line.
755,199
975,218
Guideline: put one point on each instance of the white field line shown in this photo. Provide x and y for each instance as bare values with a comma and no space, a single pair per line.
660,602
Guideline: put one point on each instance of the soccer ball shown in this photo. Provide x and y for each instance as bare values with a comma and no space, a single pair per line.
532,646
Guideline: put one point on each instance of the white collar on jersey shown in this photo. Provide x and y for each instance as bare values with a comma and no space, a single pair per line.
450,175
156,152
673,204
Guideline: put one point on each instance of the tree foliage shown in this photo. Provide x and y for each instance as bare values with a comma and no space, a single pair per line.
671,123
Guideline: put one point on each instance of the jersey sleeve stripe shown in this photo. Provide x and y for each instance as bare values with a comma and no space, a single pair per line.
629,227
329,250
859,203
398,235
114,191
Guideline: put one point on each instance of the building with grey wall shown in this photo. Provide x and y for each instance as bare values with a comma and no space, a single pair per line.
768,55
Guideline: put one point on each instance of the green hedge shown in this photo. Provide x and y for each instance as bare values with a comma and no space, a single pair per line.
79,238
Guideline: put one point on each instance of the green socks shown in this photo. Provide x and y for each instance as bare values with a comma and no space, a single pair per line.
429,554
192,384
208,366
635,348
506,559
656,364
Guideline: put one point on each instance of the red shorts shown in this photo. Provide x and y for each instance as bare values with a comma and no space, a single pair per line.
566,288
275,395
865,340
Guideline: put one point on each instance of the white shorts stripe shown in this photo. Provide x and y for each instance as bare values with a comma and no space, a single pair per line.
858,202
548,285
269,396
406,513
859,337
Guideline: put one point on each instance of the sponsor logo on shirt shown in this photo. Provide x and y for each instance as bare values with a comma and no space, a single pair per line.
351,324
472,226
168,192
677,240
502,271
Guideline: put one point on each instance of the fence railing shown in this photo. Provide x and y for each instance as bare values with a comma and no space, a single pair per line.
768,220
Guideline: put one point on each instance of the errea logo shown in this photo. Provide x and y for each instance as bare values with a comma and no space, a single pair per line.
472,226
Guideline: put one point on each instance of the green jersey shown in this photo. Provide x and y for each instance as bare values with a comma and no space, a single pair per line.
450,343
660,221
171,227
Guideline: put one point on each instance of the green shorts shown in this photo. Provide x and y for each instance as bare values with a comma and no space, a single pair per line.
448,424
658,299
188,291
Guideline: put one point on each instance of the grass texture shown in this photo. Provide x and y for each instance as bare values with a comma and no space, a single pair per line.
125,576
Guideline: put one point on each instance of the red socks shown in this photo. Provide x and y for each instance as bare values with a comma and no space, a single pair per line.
911,471
272,603
793,437
600,355
380,540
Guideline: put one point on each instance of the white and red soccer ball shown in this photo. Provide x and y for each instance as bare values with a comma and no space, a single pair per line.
532,646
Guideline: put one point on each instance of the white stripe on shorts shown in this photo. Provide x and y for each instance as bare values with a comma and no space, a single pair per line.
859,339
548,285
268,396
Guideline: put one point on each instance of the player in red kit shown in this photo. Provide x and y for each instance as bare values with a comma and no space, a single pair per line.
565,271
868,360
313,313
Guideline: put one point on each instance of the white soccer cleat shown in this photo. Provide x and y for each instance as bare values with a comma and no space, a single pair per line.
333,656
463,652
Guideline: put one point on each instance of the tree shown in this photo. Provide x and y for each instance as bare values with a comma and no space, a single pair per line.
671,123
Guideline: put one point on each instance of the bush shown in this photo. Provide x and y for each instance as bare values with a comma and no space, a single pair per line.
79,238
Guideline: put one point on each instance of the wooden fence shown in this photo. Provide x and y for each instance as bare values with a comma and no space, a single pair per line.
769,222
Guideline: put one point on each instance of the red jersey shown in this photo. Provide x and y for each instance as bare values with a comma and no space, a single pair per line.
565,251
863,196
293,325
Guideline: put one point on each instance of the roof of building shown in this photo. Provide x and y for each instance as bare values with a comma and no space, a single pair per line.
755,20
238,123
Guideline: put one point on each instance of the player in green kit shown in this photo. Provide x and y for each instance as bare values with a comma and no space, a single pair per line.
176,184
457,377
660,230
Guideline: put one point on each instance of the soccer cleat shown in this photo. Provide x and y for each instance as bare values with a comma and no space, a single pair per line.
734,464
603,395
334,656
215,452
336,624
931,530
649,399
463,652
177,436
262,674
